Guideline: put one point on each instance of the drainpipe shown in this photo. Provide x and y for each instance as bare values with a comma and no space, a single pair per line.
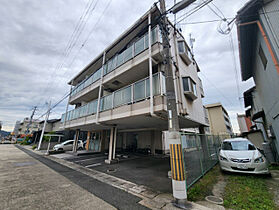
179,79
150,66
266,41
100,88
175,81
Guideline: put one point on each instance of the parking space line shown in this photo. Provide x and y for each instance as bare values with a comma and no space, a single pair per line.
77,161
96,164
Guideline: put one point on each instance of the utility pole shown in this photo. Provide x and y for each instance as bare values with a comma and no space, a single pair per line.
173,135
43,130
31,119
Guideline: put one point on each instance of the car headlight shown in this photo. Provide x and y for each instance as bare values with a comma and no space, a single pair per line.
223,158
259,160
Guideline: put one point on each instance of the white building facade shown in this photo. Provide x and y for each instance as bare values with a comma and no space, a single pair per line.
120,97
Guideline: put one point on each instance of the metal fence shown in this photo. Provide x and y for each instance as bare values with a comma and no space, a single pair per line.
200,154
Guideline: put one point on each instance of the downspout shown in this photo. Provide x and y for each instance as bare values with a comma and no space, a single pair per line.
266,41
179,78
150,66
174,79
100,88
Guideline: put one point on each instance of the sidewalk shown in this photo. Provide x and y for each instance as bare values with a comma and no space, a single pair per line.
150,198
26,183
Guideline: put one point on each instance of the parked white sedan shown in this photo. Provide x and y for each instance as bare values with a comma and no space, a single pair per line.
240,155
68,146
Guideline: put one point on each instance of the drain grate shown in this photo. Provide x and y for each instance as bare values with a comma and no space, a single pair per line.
214,199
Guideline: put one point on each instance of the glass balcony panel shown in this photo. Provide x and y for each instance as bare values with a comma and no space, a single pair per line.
122,96
146,40
105,68
153,35
163,84
74,113
106,103
87,82
128,54
139,46
63,117
139,90
120,59
92,107
156,85
109,66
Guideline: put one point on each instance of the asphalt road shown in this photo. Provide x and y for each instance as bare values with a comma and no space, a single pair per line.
106,193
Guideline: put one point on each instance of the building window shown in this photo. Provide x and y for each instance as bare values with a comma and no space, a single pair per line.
263,57
189,85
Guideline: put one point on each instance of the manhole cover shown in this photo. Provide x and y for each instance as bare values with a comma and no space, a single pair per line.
214,199
111,170
25,163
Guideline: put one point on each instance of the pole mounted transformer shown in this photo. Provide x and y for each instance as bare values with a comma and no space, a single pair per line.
173,134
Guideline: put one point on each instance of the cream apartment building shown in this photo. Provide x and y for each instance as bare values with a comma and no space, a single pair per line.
120,96
219,119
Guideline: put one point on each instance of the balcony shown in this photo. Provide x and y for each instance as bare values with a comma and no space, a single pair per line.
130,94
190,89
184,52
132,50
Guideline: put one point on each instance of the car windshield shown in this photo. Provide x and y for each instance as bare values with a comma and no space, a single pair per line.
237,145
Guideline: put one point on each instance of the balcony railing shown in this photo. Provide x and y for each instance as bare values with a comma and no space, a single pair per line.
133,93
117,60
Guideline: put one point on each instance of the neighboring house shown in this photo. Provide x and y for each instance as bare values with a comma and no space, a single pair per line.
219,120
258,36
120,97
52,125
244,123
23,126
16,128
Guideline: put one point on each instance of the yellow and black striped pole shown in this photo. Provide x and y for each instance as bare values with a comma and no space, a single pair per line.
177,165
177,168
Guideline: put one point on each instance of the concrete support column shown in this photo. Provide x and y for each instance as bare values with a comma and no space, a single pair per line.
152,136
114,142
76,141
110,146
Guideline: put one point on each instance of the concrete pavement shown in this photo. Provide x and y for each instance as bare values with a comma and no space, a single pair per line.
59,184
26,183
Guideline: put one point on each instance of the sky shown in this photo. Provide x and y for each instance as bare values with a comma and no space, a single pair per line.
36,64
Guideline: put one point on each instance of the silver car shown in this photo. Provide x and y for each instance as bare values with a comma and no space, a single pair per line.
68,146
240,155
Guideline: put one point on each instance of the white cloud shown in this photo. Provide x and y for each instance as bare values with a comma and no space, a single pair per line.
35,33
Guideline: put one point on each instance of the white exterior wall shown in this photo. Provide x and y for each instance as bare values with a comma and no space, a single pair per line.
194,108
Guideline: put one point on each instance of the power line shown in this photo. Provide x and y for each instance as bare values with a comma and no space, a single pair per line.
221,93
195,9
81,27
205,21
235,69
68,93
69,46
